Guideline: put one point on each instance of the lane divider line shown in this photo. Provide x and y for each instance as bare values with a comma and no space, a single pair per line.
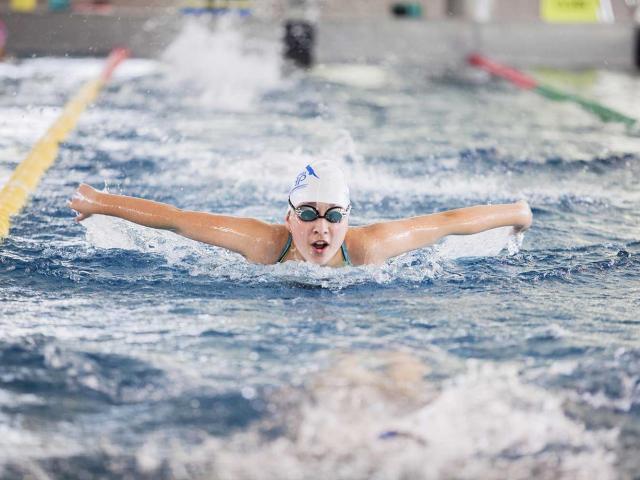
526,82
25,178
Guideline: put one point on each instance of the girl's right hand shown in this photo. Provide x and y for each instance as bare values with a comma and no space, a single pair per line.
85,202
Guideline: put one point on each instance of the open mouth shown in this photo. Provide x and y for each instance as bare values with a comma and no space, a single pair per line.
319,246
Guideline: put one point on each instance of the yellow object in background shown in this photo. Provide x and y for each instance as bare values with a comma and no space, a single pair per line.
23,5
570,11
195,3
580,81
26,176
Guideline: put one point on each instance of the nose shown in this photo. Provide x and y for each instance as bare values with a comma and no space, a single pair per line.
321,225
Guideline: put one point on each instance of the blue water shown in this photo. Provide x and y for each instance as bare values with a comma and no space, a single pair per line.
129,353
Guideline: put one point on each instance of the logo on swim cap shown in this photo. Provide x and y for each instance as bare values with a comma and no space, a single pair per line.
320,182
311,172
302,176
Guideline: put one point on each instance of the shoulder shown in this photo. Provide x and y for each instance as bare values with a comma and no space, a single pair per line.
270,243
256,240
363,244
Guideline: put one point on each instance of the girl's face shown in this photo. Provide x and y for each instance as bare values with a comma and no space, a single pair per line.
317,241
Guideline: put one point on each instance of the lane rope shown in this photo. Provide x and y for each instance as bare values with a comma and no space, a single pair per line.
25,178
526,82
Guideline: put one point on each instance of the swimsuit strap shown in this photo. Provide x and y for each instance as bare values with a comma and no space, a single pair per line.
287,246
345,255
285,250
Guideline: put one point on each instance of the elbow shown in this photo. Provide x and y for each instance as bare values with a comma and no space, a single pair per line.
525,216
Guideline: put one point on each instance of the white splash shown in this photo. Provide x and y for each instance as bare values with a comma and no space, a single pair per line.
486,244
28,445
225,69
113,233
386,422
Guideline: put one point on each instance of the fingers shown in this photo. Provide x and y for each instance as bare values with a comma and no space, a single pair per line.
85,190
81,200
80,216
77,195
73,205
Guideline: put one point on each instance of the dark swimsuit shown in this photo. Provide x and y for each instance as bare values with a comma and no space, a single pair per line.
345,254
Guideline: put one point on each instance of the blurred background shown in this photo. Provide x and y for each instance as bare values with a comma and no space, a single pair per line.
578,34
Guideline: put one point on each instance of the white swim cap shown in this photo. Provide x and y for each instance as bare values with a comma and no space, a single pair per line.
320,182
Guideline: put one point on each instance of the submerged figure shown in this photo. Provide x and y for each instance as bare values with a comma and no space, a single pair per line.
316,227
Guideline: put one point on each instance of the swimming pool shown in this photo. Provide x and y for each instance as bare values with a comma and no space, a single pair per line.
128,353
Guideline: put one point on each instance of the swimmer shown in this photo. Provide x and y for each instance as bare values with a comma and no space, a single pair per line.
316,226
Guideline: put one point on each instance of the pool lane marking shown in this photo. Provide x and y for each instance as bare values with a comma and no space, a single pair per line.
25,178
527,82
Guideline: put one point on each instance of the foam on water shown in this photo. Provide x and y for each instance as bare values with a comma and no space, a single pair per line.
109,233
21,128
134,68
17,443
22,125
75,70
361,422
68,73
359,76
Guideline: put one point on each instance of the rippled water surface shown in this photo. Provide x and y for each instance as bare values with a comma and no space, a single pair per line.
130,353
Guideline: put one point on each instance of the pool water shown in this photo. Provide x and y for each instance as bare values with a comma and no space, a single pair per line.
130,353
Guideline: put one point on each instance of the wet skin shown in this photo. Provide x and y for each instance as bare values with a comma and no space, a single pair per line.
317,242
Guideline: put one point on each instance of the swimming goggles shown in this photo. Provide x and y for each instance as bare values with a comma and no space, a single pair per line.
307,213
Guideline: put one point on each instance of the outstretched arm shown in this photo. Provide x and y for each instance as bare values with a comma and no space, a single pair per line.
385,240
257,241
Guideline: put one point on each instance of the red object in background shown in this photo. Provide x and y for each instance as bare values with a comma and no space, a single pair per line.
116,56
4,34
101,7
514,76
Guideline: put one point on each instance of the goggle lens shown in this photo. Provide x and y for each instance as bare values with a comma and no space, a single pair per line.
333,216
307,214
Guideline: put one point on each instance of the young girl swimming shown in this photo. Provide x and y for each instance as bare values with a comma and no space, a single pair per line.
316,227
